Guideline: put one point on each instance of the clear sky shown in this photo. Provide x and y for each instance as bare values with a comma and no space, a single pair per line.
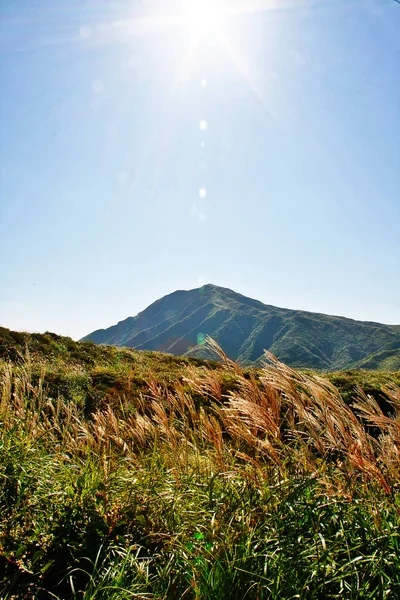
149,146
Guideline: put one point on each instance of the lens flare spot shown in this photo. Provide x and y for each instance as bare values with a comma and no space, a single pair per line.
98,87
203,193
85,31
122,178
201,339
204,83
203,125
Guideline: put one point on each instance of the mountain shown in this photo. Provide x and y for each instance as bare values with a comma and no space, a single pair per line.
243,327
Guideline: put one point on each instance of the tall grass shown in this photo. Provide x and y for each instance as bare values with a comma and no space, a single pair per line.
277,489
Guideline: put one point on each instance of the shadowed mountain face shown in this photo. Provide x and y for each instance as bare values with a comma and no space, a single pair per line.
179,322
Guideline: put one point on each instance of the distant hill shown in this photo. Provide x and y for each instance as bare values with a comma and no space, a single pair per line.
243,327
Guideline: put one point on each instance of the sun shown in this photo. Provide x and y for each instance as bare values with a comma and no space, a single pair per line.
203,16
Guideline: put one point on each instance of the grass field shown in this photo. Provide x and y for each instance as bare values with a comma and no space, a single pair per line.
137,475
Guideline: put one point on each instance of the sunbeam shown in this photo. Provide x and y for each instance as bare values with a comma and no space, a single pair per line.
201,20
244,67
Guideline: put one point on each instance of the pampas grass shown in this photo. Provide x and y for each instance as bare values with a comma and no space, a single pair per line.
275,489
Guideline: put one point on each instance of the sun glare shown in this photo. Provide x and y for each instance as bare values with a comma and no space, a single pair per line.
203,15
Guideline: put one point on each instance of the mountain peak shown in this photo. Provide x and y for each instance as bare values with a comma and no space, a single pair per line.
179,323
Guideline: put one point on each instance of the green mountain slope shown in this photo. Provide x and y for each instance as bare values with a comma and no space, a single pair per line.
245,327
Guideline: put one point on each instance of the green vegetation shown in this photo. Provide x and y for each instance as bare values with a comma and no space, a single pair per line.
128,474
91,376
244,328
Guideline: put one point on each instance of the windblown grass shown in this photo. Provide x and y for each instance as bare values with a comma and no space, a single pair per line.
271,488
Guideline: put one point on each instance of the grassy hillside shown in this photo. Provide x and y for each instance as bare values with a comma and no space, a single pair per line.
387,359
95,375
128,474
86,373
179,323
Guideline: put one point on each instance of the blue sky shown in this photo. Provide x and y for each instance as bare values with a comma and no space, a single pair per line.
103,159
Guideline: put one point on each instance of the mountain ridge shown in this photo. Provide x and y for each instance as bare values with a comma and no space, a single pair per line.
244,327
